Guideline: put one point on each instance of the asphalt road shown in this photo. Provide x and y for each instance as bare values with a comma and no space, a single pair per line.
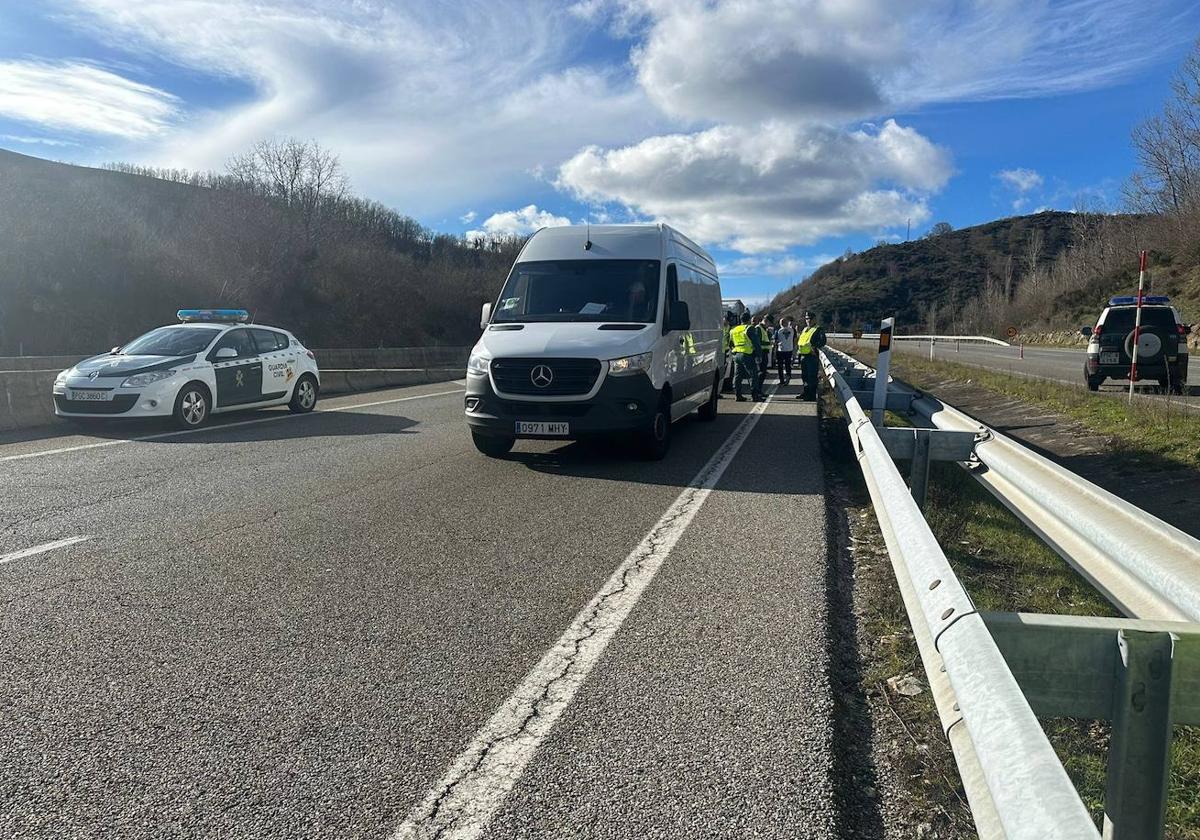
1059,364
312,627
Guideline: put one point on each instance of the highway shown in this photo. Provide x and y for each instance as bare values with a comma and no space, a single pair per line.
350,624
1055,363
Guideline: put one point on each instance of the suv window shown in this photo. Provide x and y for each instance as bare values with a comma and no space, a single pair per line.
269,341
1120,319
239,340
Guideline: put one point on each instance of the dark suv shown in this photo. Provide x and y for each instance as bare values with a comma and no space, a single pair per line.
1162,345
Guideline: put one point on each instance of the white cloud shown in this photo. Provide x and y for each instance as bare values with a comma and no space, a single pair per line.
430,106
745,60
36,141
468,217
79,97
784,266
517,223
768,187
1020,180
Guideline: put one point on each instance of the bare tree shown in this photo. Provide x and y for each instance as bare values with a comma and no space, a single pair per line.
301,175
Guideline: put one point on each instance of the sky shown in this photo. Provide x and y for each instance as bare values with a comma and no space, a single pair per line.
778,133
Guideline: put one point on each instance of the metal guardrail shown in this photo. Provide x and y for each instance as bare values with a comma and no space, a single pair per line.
1143,676
1144,566
978,339
1021,789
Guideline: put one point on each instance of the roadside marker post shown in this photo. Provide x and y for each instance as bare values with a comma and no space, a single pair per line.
1137,324
881,372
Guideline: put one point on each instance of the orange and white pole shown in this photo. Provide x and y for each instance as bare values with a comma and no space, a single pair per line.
1137,324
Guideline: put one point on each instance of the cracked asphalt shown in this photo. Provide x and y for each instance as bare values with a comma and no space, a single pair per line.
293,628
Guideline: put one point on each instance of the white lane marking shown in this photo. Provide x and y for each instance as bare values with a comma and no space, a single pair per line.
218,428
40,549
464,801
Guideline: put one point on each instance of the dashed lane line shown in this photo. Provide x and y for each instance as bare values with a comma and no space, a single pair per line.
273,418
464,801
40,549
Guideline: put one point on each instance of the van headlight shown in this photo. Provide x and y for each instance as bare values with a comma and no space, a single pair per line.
478,364
630,364
141,380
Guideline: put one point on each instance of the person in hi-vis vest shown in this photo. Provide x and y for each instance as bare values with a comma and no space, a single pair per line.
746,343
810,340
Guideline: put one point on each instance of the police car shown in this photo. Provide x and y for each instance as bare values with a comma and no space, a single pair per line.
212,361
1162,343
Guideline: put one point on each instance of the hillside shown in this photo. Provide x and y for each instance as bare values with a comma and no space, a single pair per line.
1043,272
89,258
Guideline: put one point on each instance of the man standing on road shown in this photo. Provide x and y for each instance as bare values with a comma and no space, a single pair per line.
768,336
812,339
746,341
785,345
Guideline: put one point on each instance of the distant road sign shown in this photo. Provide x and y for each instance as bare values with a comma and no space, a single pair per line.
857,334
1012,332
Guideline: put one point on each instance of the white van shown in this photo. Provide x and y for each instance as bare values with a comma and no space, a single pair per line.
599,330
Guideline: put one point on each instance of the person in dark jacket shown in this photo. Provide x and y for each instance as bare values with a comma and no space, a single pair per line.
810,340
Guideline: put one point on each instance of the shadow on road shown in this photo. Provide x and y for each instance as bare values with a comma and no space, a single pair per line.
265,425
694,442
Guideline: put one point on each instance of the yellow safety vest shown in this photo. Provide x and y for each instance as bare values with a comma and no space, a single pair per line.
740,341
804,343
766,337
728,344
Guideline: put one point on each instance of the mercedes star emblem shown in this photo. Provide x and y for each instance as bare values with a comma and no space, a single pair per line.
541,376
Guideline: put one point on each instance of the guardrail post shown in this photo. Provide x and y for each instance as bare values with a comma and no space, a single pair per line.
1139,753
918,476
881,372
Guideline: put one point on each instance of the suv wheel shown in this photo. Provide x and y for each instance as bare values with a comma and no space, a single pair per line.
1094,382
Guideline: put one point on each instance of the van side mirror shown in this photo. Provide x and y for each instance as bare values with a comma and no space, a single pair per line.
1085,331
678,317
485,316
115,350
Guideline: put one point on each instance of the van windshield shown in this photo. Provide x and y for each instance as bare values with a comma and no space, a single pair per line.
580,290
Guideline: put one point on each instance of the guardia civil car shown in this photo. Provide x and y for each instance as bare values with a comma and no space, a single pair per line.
211,362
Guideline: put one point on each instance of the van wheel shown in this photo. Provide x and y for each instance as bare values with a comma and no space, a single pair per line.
708,411
1094,382
491,446
655,439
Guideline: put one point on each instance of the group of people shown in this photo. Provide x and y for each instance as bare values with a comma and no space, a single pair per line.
754,342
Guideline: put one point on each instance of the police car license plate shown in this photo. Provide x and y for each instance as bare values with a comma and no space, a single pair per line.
90,396
527,428
1110,358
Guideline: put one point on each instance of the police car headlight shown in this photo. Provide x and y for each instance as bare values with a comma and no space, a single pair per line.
630,364
141,380
478,364
61,379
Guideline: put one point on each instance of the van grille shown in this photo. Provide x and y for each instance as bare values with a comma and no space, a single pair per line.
568,377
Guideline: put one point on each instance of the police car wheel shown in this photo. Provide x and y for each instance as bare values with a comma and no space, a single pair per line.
492,446
304,397
191,406
1094,382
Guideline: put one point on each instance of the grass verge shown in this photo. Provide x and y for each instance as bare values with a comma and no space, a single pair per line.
1004,567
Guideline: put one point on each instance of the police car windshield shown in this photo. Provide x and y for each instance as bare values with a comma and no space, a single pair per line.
171,341
581,290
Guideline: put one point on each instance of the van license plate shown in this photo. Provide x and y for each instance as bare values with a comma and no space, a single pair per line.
557,429
1110,358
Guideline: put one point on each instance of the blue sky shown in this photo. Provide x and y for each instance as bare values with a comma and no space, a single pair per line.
777,133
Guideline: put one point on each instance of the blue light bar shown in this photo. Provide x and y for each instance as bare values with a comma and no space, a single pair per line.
1131,300
228,316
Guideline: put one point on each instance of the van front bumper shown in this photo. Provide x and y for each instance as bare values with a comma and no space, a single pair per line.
623,404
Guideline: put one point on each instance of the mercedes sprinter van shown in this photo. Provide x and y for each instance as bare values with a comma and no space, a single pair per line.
599,330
